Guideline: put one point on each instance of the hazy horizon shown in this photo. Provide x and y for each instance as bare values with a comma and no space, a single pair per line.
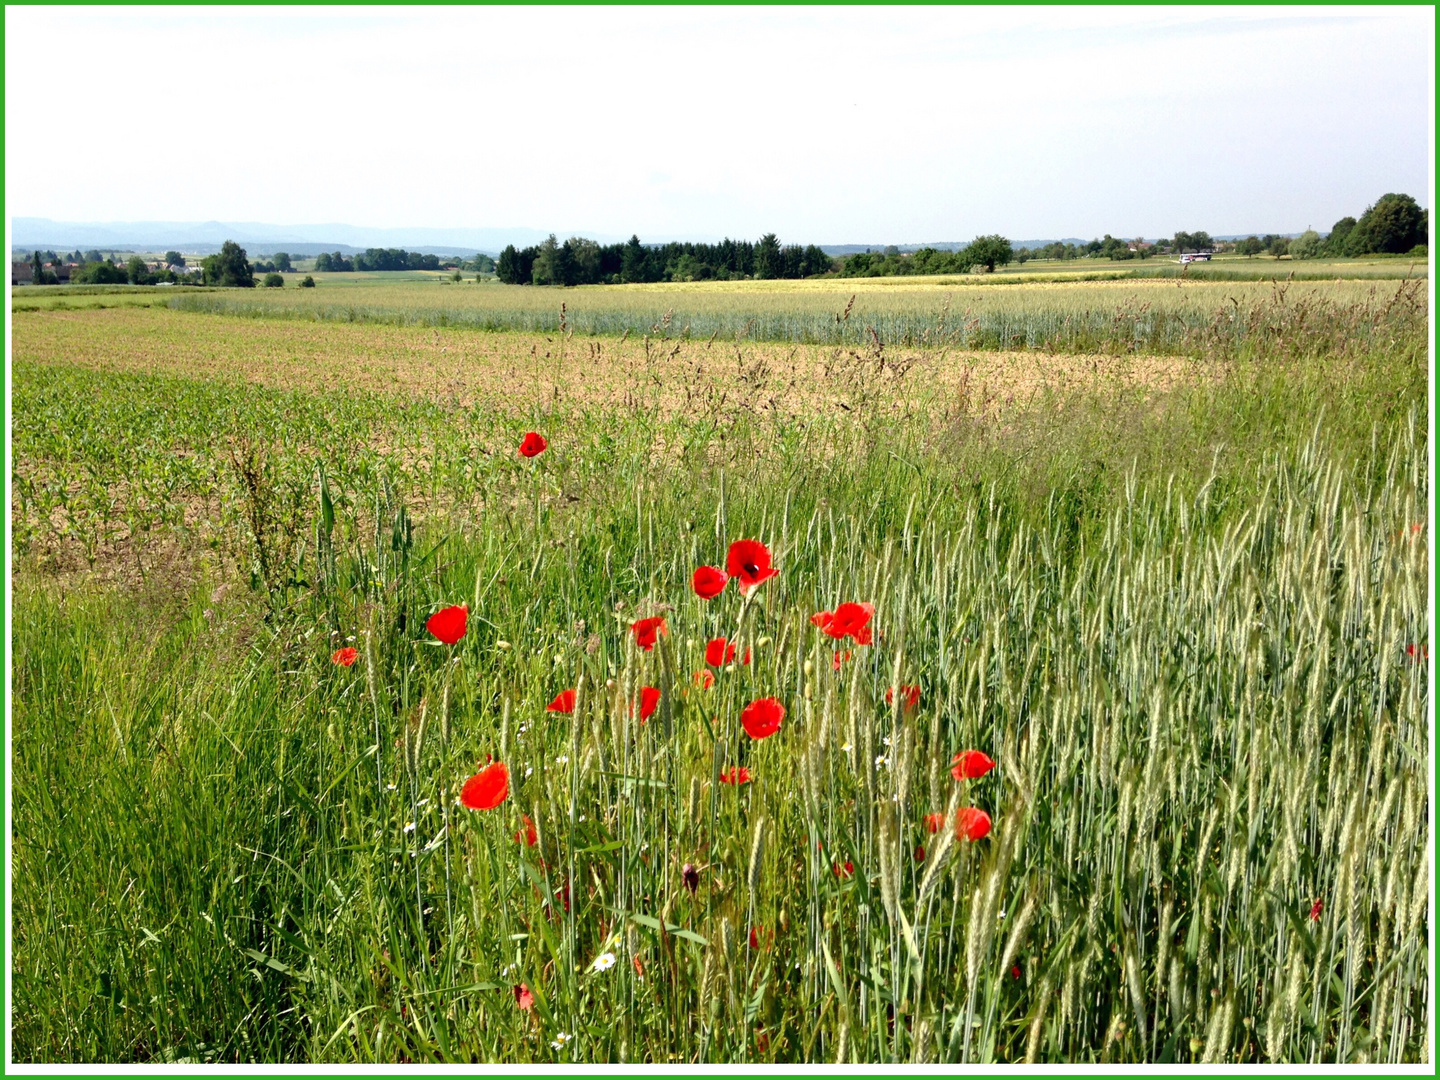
849,126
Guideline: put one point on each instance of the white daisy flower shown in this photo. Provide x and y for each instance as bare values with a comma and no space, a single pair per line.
410,827
847,748
563,759
560,1040
604,962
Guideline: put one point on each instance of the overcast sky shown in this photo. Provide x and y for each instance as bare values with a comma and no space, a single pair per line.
825,126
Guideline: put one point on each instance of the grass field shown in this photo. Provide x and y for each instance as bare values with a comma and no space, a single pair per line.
1174,584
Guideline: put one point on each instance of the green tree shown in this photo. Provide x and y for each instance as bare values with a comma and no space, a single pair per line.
989,251
1250,246
282,261
229,267
1394,224
174,258
632,261
138,272
545,271
1339,233
1306,246
1279,246
767,257
307,282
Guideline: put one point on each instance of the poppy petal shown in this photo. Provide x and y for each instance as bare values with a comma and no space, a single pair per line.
488,788
762,718
709,582
448,624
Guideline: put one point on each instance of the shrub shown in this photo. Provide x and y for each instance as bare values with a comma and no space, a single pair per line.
274,280
307,282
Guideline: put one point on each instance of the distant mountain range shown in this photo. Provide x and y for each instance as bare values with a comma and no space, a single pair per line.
259,238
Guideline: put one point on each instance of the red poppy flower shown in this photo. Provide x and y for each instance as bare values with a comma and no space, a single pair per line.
970,765
735,775
488,788
639,967
909,696
523,997
528,834
709,582
762,1042
704,680
745,660
1417,652
919,852
647,631
564,702
345,657
563,895
749,560
755,932
851,620
649,702
822,620
1315,910
762,717
971,824
448,624
532,444
934,821
719,652
845,871
840,658
1015,971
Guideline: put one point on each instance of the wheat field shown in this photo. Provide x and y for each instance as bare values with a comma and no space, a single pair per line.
1175,598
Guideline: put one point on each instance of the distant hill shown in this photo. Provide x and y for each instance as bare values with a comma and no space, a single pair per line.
259,238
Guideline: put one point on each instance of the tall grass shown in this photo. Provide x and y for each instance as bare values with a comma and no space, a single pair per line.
1194,671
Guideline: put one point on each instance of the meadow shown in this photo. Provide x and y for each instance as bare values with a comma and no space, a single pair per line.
1163,567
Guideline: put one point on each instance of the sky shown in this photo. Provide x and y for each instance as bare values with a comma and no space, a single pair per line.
824,125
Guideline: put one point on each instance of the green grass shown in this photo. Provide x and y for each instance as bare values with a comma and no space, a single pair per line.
1178,621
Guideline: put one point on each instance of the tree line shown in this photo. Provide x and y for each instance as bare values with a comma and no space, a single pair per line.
579,261
1394,224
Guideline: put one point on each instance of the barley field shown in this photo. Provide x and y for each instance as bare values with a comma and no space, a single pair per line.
1085,716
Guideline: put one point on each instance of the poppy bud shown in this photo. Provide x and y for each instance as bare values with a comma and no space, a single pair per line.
690,876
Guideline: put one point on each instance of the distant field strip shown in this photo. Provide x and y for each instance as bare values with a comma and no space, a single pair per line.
1147,316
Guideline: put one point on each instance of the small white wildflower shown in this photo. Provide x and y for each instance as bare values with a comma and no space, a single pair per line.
563,759
350,638
560,1040
423,802
558,660
410,827
529,769
886,740
389,787
847,748
582,817
881,760
604,962
427,911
